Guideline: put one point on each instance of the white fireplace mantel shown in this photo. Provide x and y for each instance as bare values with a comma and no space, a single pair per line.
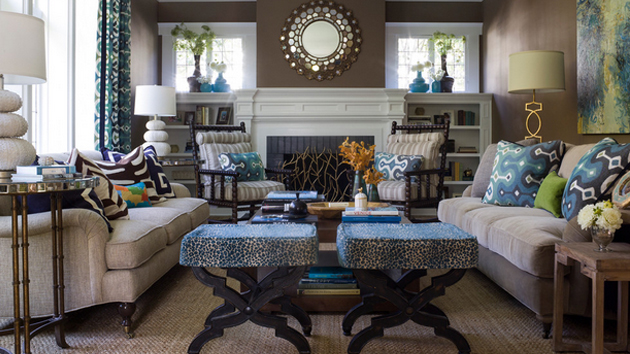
318,111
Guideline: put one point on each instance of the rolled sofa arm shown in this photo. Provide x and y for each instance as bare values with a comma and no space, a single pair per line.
85,234
180,190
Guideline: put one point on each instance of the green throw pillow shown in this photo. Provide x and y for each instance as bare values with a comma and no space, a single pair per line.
549,195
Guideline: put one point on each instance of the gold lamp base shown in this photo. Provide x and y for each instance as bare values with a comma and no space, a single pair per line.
533,108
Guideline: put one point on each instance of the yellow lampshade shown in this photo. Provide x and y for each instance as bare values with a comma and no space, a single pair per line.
540,70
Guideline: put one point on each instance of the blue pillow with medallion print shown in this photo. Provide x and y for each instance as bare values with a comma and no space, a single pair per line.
248,164
594,175
518,171
394,166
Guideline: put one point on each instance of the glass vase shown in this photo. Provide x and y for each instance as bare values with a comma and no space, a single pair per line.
372,193
602,237
359,182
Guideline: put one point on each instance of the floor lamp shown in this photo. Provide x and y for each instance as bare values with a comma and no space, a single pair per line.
534,71
156,101
22,62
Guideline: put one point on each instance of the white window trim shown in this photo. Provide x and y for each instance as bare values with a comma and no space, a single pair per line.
244,30
396,30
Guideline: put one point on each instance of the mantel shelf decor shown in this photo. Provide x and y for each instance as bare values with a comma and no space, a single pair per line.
321,40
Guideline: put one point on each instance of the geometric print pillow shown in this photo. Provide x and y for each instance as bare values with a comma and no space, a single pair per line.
249,166
393,167
518,171
162,185
594,175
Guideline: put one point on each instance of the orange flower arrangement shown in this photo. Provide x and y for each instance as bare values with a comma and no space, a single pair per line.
356,155
372,176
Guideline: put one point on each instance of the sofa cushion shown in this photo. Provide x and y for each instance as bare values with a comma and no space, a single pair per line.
393,167
484,170
594,175
160,181
249,165
549,195
571,158
518,172
524,236
133,242
395,190
113,204
197,209
175,222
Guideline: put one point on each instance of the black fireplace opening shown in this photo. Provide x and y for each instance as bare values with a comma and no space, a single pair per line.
316,163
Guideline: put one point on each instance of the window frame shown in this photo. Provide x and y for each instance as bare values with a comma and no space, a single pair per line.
396,30
244,30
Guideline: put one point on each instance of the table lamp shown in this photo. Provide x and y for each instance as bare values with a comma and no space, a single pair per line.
535,70
156,101
22,62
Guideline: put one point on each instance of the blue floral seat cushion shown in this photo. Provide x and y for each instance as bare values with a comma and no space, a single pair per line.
518,171
594,175
409,246
264,245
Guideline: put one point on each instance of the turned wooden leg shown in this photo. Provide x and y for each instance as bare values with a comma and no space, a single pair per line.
126,310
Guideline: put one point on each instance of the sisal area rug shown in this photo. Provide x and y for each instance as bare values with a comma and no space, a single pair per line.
172,312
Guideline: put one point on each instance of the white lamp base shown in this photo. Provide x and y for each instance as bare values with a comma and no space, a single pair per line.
14,151
157,137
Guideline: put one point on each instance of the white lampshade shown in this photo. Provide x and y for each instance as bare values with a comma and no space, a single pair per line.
540,70
153,100
22,49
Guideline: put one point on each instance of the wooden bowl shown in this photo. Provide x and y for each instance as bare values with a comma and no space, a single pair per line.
329,210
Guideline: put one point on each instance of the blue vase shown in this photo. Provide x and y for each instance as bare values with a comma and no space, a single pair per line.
206,87
436,86
220,84
418,84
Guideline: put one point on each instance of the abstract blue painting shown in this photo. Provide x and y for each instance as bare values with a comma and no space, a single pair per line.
603,70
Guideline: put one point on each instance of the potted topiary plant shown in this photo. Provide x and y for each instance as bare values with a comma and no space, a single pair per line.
443,43
197,43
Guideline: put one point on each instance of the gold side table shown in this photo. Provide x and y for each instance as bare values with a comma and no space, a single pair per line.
599,267
22,320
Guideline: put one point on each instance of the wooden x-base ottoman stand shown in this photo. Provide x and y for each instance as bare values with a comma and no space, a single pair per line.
370,248
290,247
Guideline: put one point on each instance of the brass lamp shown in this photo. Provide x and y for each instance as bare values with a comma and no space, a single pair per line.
535,70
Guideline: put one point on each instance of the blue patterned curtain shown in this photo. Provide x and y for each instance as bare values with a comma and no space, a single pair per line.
113,76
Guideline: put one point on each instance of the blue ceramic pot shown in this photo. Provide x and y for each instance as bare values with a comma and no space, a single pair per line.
220,84
418,84
206,87
436,86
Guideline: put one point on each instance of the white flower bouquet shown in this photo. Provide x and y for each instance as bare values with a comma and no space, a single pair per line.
602,214
437,76
421,66
219,67
204,79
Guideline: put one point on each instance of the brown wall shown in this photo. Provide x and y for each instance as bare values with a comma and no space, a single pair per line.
398,11
144,57
515,25
273,70
207,12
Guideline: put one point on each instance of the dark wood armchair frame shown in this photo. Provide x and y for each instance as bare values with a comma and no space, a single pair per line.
423,175
220,175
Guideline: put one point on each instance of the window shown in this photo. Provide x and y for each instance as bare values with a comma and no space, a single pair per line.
408,44
235,45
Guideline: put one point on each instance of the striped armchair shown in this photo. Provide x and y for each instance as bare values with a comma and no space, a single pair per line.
220,187
423,188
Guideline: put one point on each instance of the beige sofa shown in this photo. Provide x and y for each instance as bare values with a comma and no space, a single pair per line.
101,267
516,244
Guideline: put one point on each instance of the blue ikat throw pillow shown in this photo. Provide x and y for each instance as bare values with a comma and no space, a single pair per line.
594,175
248,164
394,166
518,171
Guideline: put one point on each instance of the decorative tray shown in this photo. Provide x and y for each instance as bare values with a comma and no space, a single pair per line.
329,210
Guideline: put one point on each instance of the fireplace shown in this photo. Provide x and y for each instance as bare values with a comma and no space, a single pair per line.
316,163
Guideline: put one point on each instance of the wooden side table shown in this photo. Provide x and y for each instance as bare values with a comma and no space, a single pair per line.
22,320
600,267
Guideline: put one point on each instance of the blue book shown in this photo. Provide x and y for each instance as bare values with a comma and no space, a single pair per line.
291,195
370,218
329,272
382,211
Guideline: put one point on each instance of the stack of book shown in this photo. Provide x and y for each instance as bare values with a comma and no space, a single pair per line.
44,173
465,118
328,281
371,215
